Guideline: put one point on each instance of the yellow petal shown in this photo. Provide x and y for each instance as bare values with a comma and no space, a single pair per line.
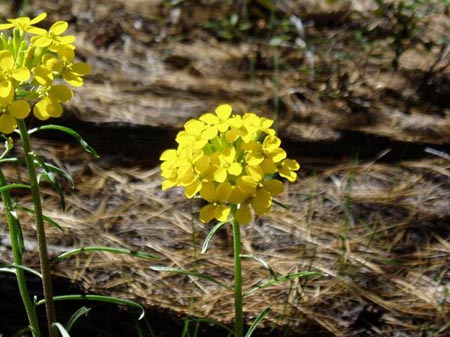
243,214
208,192
81,68
235,169
41,41
43,75
202,164
67,40
223,111
46,108
220,175
273,186
22,74
170,154
59,27
168,184
66,53
19,109
7,123
191,190
210,132
6,60
270,143
255,171
209,118
278,155
61,93
207,213
223,192
221,212
38,18
261,202
6,89
4,26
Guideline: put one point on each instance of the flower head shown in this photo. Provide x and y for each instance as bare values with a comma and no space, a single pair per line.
25,24
228,160
33,68
10,111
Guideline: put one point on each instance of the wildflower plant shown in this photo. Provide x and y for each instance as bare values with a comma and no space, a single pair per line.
38,69
236,164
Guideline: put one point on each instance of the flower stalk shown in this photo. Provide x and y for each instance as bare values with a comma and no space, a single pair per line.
40,230
238,309
13,229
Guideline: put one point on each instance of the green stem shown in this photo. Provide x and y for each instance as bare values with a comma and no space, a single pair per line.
238,314
40,230
17,256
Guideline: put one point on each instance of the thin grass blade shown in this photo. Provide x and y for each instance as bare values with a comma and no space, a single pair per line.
98,298
11,268
61,329
257,321
109,250
85,146
210,236
47,219
83,311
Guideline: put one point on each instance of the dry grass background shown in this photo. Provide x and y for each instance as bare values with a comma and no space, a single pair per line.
378,229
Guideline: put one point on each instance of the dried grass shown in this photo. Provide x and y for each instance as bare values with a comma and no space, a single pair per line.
378,231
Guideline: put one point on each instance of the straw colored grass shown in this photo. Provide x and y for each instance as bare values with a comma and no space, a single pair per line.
379,233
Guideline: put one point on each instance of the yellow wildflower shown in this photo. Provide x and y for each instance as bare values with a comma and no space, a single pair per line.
52,38
9,111
228,160
8,73
25,24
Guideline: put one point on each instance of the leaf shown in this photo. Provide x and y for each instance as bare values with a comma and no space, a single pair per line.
83,311
189,272
51,178
257,321
10,268
56,169
109,250
86,147
61,329
210,235
12,186
285,278
97,298
263,263
46,218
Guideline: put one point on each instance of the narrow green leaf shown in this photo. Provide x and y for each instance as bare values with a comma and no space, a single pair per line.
56,169
285,278
47,219
9,144
12,186
109,250
97,298
61,329
11,268
263,263
257,321
189,272
210,235
83,311
49,176
86,147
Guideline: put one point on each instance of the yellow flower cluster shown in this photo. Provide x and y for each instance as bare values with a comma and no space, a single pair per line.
30,67
228,160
